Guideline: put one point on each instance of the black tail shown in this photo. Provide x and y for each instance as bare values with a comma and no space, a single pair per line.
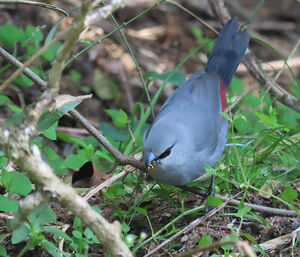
228,51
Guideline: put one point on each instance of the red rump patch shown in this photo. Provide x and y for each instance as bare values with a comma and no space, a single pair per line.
223,95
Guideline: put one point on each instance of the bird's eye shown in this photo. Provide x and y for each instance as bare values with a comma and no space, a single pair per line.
165,153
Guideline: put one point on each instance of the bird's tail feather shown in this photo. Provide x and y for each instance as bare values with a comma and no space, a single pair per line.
228,51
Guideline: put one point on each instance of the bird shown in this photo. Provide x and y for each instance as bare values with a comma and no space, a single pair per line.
189,131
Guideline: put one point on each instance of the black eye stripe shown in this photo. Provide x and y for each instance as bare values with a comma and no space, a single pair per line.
165,153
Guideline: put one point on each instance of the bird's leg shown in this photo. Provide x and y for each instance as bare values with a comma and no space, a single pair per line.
211,186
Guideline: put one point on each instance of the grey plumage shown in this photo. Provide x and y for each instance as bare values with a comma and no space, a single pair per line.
189,132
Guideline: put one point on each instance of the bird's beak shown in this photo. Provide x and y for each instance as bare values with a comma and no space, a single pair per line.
151,161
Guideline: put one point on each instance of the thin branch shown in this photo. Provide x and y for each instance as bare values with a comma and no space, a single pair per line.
31,60
191,226
7,56
254,207
120,158
39,4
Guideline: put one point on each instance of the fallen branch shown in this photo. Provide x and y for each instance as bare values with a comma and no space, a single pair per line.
191,226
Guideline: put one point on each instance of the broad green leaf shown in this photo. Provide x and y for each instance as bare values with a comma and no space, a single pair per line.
269,120
177,78
213,201
105,156
16,182
51,132
3,161
24,81
56,232
34,33
237,86
289,195
8,204
14,108
51,248
75,75
3,251
125,227
112,132
48,119
20,234
50,53
10,35
74,161
228,238
141,211
42,214
119,117
77,234
205,240
4,99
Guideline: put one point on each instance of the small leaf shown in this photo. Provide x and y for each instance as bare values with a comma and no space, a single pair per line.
3,251
141,211
119,117
51,248
50,53
42,214
10,35
205,240
16,182
289,195
112,132
125,228
213,201
20,234
77,234
51,132
74,161
237,86
56,232
8,204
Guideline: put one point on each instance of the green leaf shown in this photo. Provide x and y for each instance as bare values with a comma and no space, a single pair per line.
14,108
42,214
289,195
269,120
105,156
213,201
119,117
74,161
242,210
141,211
3,251
51,132
125,227
226,116
8,204
205,240
10,35
51,248
4,99
56,232
228,238
177,78
16,182
237,86
20,234
112,132
24,81
48,119
3,161
34,33
77,234
50,53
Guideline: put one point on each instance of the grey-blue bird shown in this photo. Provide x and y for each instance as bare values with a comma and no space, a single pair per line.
189,131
